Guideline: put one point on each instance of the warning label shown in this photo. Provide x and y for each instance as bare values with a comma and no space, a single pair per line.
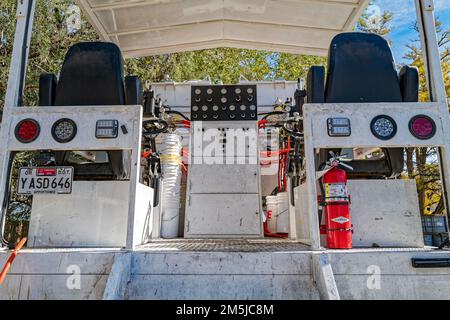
336,190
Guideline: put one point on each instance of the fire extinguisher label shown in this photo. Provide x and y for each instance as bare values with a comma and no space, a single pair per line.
340,220
336,191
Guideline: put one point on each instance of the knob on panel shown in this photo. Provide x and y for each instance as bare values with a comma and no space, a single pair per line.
223,102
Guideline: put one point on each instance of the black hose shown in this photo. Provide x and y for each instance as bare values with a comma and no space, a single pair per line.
290,132
178,113
271,113
150,134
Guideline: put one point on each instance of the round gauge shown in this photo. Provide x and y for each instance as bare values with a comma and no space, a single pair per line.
195,108
383,127
223,91
215,108
224,108
232,108
242,115
215,116
194,116
253,107
205,108
249,90
243,107
232,116
205,116
223,100
238,91
198,91
209,91
252,115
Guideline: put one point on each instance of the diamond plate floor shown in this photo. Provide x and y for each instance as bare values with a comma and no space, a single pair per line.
224,245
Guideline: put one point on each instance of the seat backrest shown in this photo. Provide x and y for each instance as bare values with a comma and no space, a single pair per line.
361,69
92,74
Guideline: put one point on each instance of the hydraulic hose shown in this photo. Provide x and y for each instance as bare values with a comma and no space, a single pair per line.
271,113
171,184
178,113
151,134
291,132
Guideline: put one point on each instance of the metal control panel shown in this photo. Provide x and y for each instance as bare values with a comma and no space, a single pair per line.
223,188
223,103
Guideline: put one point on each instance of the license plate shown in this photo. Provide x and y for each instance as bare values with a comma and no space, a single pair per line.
53,180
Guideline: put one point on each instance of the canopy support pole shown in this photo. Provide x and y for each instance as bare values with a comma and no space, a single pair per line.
435,81
14,94
19,60
430,50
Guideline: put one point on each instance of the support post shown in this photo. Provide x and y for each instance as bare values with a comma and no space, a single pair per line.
14,92
292,216
311,185
324,277
19,59
435,81
430,50
133,237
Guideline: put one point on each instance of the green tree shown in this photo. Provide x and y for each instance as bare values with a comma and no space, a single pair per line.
51,39
49,42
414,55
376,23
53,35
291,66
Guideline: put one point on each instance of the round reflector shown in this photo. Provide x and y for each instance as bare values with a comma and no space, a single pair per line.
383,127
27,130
422,127
64,130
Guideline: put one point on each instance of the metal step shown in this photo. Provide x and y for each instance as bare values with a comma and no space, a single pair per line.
223,269
221,275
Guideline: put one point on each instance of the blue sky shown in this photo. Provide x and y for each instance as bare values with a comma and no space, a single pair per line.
404,17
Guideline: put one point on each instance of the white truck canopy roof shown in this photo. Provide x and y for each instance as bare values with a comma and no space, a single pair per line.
149,27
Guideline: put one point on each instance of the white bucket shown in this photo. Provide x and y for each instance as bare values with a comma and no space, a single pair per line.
282,213
272,205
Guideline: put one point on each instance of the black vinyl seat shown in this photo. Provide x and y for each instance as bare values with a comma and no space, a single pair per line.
361,69
92,74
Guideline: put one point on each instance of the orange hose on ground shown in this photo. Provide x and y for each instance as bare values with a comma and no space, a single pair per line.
11,259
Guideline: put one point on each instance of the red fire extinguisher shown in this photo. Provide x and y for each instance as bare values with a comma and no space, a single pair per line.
336,204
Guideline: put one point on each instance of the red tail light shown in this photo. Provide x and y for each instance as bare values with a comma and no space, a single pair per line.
27,130
422,127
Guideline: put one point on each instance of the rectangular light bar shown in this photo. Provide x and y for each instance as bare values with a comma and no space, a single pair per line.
339,127
106,129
